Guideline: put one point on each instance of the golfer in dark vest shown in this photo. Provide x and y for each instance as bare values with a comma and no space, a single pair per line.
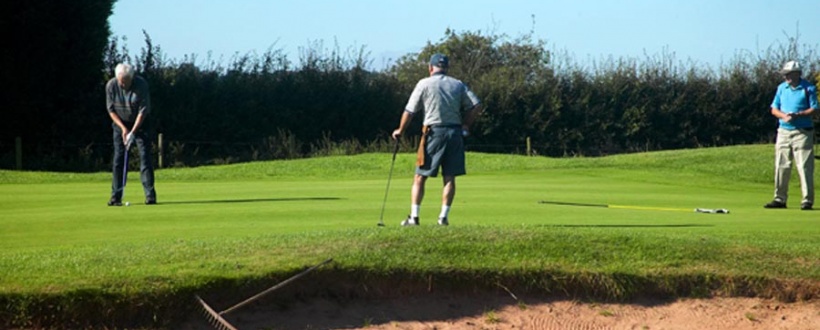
444,101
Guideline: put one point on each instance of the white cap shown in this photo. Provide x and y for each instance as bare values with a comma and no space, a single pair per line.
791,66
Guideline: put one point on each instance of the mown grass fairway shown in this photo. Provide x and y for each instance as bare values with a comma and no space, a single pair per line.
266,220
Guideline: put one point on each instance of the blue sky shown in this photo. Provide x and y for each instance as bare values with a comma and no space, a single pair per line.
709,32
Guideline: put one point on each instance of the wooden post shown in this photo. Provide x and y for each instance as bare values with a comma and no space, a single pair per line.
529,147
18,152
160,150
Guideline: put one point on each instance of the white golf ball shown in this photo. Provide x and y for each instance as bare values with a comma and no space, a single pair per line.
127,203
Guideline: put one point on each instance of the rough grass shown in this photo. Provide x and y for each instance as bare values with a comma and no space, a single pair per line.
230,231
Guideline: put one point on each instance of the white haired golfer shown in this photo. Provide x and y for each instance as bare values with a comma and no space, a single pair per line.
129,103
793,105
443,100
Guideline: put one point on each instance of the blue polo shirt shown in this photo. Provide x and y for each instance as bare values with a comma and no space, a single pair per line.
794,99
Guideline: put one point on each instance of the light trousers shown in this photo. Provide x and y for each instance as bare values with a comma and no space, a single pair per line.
794,146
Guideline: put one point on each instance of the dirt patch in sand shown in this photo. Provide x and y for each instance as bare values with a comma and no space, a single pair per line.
440,311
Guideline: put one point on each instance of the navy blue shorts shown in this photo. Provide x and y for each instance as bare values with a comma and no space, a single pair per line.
444,149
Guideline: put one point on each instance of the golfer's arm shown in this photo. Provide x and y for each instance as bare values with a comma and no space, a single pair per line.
406,118
138,122
117,121
109,104
778,114
144,109
807,112
471,115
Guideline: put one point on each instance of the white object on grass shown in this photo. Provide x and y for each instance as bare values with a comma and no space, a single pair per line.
720,211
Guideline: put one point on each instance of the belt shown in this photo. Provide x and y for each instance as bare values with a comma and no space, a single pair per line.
798,128
445,126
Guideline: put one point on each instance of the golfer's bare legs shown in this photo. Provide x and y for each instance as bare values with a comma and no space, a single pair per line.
417,192
448,193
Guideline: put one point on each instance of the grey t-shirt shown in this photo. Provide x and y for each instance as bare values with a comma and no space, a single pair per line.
442,99
127,104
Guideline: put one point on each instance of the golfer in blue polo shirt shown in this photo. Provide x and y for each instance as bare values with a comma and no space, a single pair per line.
443,100
793,105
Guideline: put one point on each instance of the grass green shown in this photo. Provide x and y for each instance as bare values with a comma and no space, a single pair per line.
252,221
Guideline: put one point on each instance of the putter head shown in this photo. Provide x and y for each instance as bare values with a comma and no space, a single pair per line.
380,224
718,211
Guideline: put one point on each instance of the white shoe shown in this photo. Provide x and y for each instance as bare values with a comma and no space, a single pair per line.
410,221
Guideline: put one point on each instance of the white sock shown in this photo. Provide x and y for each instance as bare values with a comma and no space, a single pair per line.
414,210
445,209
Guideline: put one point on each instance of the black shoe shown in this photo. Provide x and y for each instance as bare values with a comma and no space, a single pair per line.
775,204
114,202
806,206
443,221
150,201
411,221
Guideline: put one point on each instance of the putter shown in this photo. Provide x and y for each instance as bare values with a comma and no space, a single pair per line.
389,176
124,174
634,207
125,168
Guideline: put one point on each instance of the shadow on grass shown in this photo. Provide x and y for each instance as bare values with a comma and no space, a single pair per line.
631,226
252,200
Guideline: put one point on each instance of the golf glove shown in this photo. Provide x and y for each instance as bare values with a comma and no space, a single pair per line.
129,139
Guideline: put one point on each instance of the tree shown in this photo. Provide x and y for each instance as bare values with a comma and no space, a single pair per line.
52,71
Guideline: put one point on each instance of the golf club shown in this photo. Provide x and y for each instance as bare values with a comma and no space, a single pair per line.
128,142
124,173
389,176
632,207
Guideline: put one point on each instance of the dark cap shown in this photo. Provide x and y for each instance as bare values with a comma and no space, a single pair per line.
439,60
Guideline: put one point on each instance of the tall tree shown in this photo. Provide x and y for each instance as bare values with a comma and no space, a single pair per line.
52,71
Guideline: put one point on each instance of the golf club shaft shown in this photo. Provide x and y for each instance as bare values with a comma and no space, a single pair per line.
628,207
649,208
389,177
124,172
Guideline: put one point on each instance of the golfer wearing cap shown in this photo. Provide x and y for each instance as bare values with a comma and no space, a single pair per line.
443,100
793,105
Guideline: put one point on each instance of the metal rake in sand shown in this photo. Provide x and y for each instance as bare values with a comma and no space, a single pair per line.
220,323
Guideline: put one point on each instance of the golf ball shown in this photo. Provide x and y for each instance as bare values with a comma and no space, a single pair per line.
127,203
